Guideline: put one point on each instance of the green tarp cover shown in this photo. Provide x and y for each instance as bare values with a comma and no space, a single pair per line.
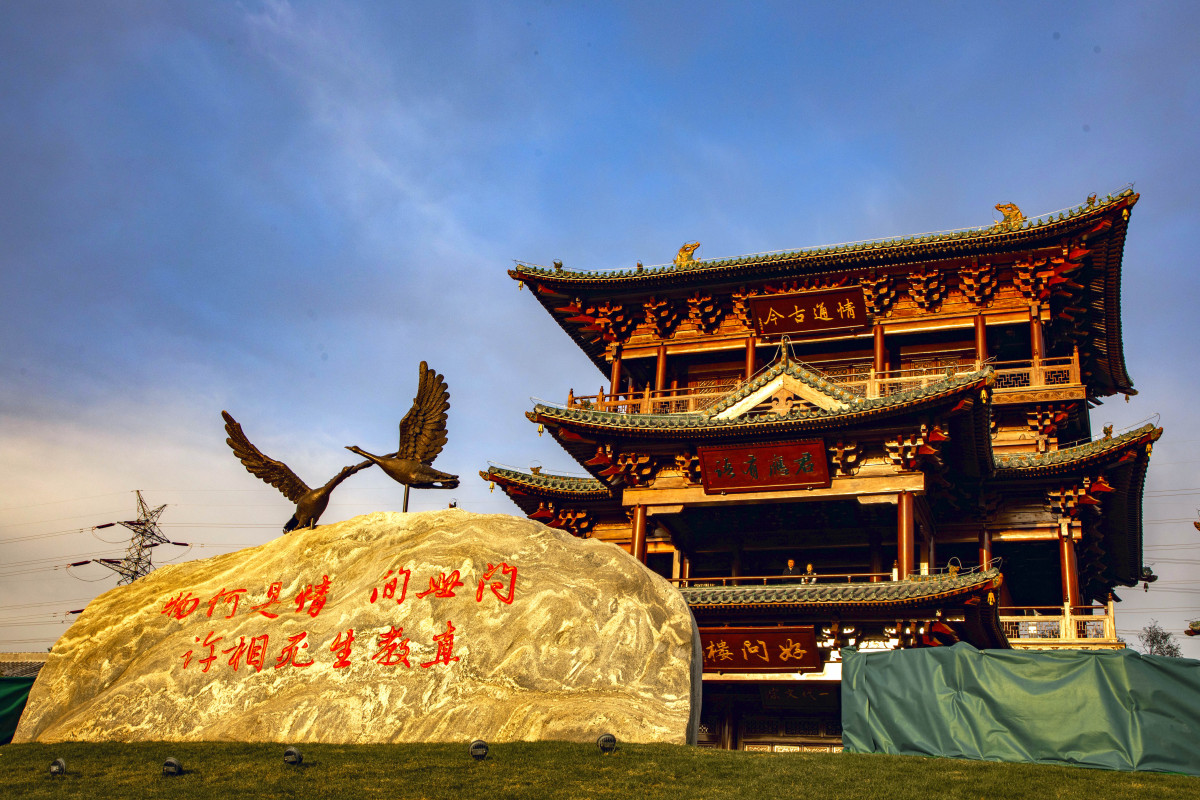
1114,709
13,694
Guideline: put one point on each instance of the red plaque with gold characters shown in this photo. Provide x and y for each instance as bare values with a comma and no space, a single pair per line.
760,649
823,311
763,467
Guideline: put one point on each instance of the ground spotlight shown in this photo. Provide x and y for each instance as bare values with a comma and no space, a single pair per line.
479,750
172,767
607,743
292,756
58,767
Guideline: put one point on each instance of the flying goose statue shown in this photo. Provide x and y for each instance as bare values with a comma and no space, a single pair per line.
310,503
422,437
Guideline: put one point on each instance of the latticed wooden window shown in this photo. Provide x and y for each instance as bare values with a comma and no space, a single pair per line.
804,726
761,726
847,372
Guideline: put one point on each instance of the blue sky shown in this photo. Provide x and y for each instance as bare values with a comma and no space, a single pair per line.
279,209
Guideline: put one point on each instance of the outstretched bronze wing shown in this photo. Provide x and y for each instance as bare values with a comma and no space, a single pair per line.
273,472
423,429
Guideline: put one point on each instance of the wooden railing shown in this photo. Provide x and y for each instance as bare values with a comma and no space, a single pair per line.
1059,626
648,401
865,383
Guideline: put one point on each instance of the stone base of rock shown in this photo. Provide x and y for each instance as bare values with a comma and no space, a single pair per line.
431,627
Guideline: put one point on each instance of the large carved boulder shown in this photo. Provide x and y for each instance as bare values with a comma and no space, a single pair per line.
439,626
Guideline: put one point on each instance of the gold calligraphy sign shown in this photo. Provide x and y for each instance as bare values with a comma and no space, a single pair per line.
792,649
822,311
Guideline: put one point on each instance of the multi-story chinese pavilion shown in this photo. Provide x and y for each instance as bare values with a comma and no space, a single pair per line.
909,416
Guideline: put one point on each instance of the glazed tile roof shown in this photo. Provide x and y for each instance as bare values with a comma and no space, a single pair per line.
1056,460
1100,227
818,417
906,246
21,665
549,485
883,593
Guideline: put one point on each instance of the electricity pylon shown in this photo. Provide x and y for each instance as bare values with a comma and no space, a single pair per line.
146,535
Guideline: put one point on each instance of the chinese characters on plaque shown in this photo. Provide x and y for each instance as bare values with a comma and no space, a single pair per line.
387,647
760,649
762,467
824,311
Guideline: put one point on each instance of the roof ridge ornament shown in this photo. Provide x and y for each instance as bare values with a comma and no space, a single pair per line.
686,254
1012,216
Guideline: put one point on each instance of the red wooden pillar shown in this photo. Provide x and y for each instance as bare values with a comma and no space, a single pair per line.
876,556
750,365
1036,342
727,737
880,361
615,382
985,548
660,369
1070,577
637,547
685,567
904,534
981,350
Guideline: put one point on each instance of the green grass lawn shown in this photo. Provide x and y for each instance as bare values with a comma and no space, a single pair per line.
543,769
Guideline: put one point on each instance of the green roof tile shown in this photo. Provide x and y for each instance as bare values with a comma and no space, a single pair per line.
562,483
885,592
983,232
707,420
1069,455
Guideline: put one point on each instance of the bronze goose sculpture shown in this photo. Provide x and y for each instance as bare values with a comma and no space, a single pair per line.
422,437
310,503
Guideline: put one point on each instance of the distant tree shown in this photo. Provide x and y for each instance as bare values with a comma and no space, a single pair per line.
1158,642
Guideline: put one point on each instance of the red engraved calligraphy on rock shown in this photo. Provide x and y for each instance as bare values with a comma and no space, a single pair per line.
341,649
181,605
445,646
232,596
256,653
211,644
506,570
239,651
393,649
389,587
272,600
314,596
287,656
443,586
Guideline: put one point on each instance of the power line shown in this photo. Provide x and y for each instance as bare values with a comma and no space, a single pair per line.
55,519
60,502
46,603
146,535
